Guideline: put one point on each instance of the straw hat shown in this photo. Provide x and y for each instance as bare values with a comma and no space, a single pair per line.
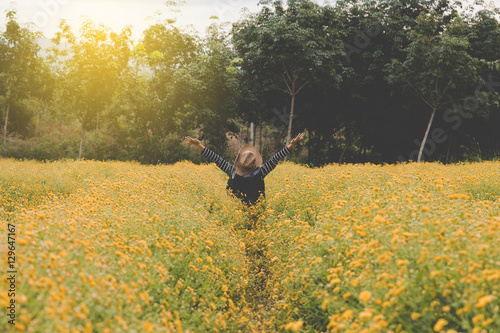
248,160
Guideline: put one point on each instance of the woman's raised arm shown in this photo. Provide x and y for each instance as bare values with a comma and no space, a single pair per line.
273,161
219,161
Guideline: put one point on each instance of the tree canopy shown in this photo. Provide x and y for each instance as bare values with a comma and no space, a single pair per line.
368,81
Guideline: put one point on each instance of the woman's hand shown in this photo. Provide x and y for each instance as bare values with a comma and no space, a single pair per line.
194,142
295,141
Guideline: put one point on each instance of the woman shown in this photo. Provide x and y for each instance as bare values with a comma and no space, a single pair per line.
246,177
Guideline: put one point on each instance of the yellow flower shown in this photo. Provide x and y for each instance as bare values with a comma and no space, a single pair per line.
487,322
402,262
440,324
415,315
148,327
294,326
346,295
335,281
477,319
20,327
365,296
324,304
365,315
347,314
483,301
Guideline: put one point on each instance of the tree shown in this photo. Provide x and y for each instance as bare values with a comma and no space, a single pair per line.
21,67
58,58
483,32
437,67
97,59
286,47
215,68
167,51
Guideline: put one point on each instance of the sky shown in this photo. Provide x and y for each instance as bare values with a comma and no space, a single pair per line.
46,14
117,14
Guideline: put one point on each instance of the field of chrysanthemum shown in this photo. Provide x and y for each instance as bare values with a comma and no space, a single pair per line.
123,247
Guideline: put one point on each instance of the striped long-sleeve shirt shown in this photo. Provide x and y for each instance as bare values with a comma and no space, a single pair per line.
219,161
250,187
273,161
228,168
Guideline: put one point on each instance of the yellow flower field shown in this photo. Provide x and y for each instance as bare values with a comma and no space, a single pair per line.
123,247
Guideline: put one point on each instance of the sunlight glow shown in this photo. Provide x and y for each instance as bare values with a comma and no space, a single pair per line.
46,14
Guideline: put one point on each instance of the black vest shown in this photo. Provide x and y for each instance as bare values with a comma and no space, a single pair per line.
249,187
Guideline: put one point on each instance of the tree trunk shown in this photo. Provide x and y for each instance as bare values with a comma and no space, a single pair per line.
359,154
448,150
253,134
422,145
81,144
292,107
248,134
5,125
260,137
97,123
347,144
59,109
40,112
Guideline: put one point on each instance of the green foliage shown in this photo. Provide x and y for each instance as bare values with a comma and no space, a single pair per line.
23,73
98,58
286,47
360,76
437,66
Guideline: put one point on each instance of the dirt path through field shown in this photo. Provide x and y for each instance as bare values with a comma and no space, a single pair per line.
259,296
